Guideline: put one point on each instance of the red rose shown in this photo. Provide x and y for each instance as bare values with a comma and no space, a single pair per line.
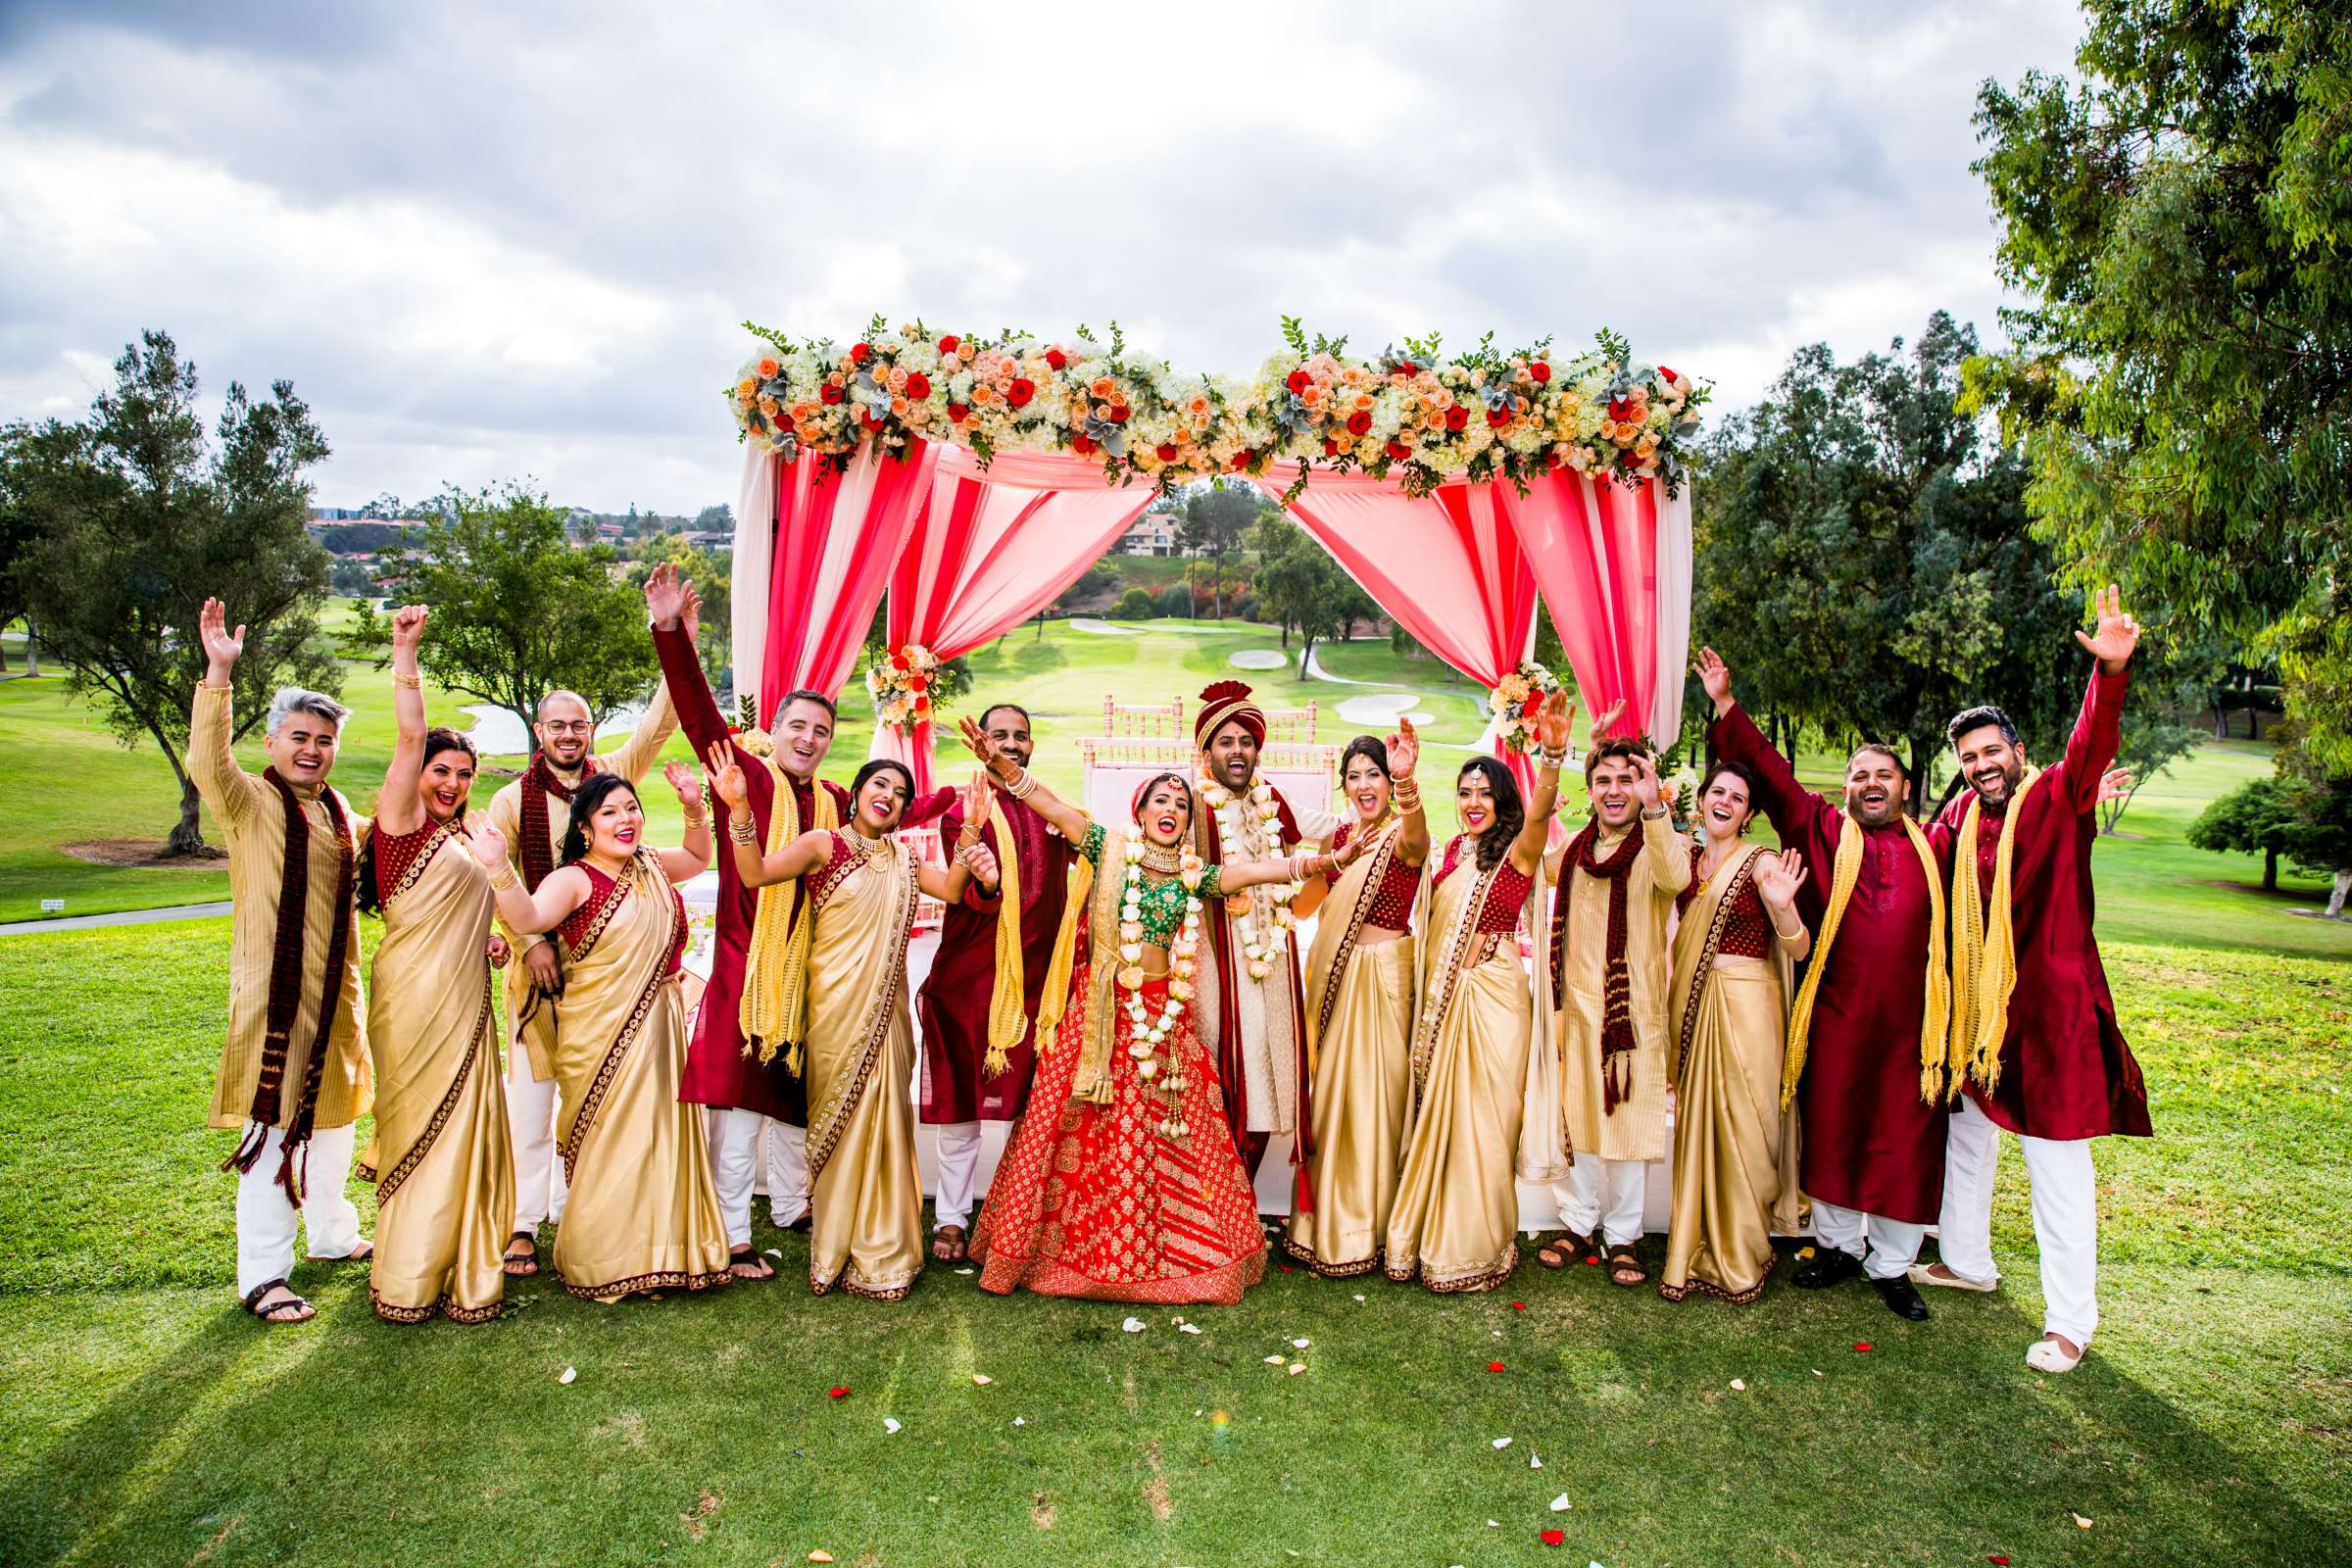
1020,392
830,395
1399,451
1666,372
871,423
1057,358
922,704
859,353
918,385
1621,409
898,662
916,683
1532,706
1540,370
1081,444
784,421
948,344
1118,414
1555,1537
1359,423
1498,416
1627,460
1296,382
1243,459
1456,416
1331,448
1166,450
1551,457
957,412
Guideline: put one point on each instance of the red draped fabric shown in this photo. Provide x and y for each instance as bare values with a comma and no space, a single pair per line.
989,548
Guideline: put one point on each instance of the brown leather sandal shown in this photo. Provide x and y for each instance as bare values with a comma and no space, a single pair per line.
522,1265
948,1244
293,1309
1621,1262
1563,1250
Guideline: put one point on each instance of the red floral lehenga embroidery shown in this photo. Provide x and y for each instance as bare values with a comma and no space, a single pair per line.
1096,1202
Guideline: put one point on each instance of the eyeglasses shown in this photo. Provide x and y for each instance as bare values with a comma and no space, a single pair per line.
556,726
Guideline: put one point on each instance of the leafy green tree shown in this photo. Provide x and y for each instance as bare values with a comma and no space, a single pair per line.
1136,603
1213,520
2177,218
1862,559
1302,589
133,517
2258,817
517,610
709,572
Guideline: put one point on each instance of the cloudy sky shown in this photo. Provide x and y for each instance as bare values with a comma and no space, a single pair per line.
493,242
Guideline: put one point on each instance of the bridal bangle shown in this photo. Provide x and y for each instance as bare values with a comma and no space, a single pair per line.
741,830
501,876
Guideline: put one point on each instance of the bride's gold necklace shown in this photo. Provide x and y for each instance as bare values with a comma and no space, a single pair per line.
1163,859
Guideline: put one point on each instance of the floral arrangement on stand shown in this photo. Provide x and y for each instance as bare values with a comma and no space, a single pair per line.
1516,702
1414,414
901,684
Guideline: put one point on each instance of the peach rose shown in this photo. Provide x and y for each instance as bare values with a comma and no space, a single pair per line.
768,368
1104,386
745,389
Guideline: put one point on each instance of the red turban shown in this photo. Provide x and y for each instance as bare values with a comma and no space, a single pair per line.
1227,701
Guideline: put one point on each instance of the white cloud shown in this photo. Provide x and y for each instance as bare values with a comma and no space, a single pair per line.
485,244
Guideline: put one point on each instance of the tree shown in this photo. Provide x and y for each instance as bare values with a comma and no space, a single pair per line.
1864,562
708,518
135,518
519,611
708,570
2258,817
1212,523
1300,586
2181,378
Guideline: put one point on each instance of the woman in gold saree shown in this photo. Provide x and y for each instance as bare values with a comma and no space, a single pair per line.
1734,1149
1361,985
1486,1075
642,1214
440,1159
865,1197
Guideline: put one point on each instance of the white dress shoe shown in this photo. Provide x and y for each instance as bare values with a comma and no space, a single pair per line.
2048,1355
1920,1274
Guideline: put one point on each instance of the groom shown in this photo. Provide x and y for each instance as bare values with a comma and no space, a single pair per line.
1250,1003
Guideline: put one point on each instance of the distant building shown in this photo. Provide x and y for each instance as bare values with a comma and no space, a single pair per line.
1151,534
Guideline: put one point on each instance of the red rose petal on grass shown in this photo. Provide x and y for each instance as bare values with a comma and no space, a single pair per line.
1518,1307
1862,1344
1590,1259
1493,1366
2003,1561
1285,1268
837,1394
1553,1538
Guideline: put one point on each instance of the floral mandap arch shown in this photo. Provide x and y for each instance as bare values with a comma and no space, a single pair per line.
973,478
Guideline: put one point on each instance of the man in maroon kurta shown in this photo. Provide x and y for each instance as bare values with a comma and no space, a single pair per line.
743,1091
2062,1074
958,1092
1872,1151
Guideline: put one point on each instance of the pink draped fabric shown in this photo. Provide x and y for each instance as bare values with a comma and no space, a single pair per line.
1449,567
835,540
990,548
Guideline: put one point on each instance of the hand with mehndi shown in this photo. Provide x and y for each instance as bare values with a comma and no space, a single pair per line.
981,861
984,748
726,777
1404,750
1555,723
683,780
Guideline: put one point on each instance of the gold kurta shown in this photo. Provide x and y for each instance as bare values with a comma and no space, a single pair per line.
1636,1128
866,1196
253,818
446,1169
1735,1151
1456,1207
1359,1021
631,759
642,1214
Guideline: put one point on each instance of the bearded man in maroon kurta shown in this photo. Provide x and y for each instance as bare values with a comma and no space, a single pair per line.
2033,1025
961,1087
743,1091
1873,1133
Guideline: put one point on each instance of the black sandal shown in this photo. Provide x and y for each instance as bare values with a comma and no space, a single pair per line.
530,1260
750,1255
1564,1249
272,1313
1622,1261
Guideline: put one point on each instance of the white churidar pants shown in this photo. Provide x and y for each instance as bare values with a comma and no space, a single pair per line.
958,1154
265,1221
539,1186
735,1168
2066,1216
1887,1247
1604,1198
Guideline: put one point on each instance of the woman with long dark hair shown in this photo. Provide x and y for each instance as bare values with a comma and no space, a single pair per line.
866,1196
1360,985
1121,1182
441,1160
1734,1149
1486,1081
642,1214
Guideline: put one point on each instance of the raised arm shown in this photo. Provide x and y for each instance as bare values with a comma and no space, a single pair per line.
226,787
1022,785
948,886
2099,728
1555,723
668,597
523,911
1787,805
1404,754
397,809
693,854
801,856
1667,852
1303,867
1778,878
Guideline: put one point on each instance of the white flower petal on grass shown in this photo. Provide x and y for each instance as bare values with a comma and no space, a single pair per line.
890,1427
1134,1325
1297,1367
1189,1328
959,1271
570,1373
1020,1420
1738,1387
1535,1462
982,1379
1300,1345
2082,1523
1359,1297
1274,1361
1503,1442
1560,1503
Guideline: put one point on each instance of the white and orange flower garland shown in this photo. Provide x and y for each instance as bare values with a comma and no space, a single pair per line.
1149,1036
1413,414
1262,938
1517,701
901,685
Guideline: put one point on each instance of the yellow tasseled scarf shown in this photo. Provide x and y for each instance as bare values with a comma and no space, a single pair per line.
1935,1018
1983,948
775,981
1007,1009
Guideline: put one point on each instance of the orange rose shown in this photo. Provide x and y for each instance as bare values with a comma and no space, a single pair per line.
1104,386
745,389
768,368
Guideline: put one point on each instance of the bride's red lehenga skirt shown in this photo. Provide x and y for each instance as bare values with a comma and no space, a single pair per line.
1093,1201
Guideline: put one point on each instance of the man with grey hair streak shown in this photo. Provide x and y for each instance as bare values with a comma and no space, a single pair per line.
531,814
293,1074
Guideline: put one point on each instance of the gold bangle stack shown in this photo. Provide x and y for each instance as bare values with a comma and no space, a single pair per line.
412,682
1022,785
1405,793
1554,761
503,877
743,830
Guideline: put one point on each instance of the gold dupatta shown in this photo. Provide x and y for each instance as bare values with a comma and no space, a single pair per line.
874,893
774,1012
1335,940
1007,1009
1935,1017
1699,942
1983,955
1098,1021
